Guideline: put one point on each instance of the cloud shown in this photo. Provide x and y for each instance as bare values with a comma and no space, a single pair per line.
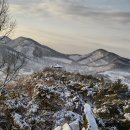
83,9
92,23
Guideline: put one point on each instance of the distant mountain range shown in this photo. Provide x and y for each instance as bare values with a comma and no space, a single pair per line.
97,61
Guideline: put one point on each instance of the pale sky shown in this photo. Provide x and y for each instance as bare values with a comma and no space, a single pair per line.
75,26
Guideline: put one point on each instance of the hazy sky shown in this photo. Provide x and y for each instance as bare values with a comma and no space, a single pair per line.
75,26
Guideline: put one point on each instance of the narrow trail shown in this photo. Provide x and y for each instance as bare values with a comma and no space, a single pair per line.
90,117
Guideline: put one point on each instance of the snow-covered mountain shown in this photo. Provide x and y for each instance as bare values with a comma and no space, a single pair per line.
32,48
103,58
62,100
6,50
5,40
97,61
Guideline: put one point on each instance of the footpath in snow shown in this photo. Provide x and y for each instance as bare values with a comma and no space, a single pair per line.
90,117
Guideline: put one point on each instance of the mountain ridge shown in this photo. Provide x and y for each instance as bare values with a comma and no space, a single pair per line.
99,58
42,45
26,42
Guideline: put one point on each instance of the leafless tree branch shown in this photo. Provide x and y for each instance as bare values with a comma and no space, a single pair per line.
7,25
12,63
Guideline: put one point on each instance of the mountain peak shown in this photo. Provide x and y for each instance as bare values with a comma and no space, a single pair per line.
98,53
22,37
25,38
5,39
33,48
101,50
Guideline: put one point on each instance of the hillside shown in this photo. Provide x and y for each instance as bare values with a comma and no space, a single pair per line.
66,98
99,62
32,48
102,58
59,100
97,59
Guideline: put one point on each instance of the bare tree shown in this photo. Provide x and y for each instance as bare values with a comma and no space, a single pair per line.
10,64
10,61
7,25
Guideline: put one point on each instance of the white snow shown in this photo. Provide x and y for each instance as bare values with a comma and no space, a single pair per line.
127,116
90,93
20,121
75,57
60,117
59,60
74,125
115,75
58,128
90,117
33,108
66,127
14,104
103,109
58,66
93,58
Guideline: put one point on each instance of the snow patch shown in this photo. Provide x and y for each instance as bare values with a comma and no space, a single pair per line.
127,116
90,117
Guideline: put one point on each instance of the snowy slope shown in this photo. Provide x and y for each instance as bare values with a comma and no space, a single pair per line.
98,54
115,75
42,56
102,57
33,49
90,117
75,57
5,40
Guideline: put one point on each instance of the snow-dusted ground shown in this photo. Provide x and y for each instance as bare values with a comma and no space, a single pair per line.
114,75
75,57
72,126
127,116
59,60
90,58
90,117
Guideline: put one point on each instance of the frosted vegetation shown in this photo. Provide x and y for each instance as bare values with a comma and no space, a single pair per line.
58,100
